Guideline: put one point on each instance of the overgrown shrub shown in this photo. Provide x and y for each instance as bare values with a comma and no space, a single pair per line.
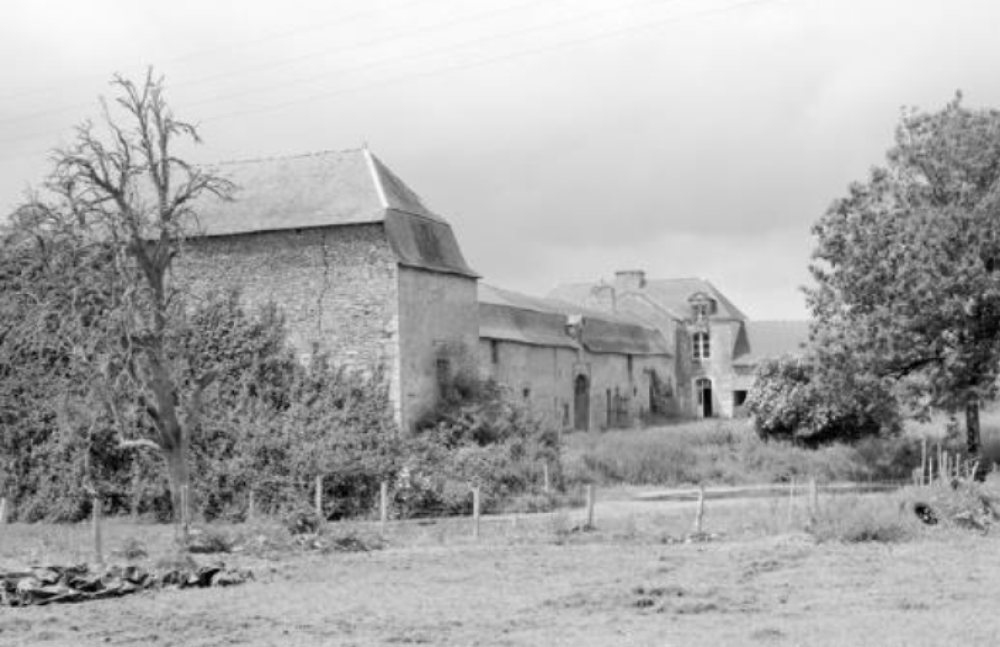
729,452
270,425
792,399
480,435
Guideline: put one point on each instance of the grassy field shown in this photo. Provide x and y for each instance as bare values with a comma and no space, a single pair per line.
537,580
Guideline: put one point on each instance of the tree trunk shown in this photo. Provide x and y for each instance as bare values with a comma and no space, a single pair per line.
972,428
180,482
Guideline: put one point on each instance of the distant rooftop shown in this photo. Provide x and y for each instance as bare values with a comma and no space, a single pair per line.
671,295
513,316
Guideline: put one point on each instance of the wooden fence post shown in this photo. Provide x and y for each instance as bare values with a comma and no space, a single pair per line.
791,502
319,497
251,507
590,506
383,506
813,500
98,543
924,477
3,510
545,477
699,515
185,514
475,512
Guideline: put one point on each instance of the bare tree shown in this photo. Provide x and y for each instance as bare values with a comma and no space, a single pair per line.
120,192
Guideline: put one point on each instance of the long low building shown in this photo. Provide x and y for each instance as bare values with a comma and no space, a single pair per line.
366,272
577,367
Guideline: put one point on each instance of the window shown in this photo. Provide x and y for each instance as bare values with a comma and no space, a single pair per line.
526,393
494,351
443,367
630,364
701,347
739,398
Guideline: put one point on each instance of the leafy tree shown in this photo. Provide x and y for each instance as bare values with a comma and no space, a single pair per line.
907,265
119,204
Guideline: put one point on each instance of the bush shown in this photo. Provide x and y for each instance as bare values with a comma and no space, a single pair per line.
479,435
792,399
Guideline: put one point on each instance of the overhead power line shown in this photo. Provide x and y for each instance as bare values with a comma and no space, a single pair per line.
504,57
228,75
50,89
524,53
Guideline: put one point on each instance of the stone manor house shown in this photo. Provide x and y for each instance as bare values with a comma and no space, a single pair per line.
365,271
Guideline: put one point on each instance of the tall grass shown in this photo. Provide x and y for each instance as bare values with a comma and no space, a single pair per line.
728,452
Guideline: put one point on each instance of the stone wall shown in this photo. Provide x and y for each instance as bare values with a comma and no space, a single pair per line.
545,376
542,375
718,368
439,333
337,286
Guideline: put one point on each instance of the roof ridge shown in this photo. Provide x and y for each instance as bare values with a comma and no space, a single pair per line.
275,158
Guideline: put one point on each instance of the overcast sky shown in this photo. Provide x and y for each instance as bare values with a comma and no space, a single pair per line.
563,139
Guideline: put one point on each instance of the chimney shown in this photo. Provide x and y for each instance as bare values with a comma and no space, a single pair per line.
629,280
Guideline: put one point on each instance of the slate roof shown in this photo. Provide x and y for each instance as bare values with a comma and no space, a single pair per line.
513,316
669,294
773,339
332,188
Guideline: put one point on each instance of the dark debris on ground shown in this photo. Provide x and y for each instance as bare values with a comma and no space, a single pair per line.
44,585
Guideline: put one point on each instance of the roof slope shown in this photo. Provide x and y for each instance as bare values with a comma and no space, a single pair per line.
669,294
332,188
772,339
513,316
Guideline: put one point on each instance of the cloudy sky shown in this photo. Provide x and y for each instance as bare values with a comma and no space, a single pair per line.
563,139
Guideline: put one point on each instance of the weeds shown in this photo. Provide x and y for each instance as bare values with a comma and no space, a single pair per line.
728,452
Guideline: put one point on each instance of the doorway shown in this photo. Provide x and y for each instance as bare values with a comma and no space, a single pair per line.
703,388
581,403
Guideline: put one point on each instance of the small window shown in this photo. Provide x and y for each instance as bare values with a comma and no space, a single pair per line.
630,364
443,367
494,351
739,398
701,346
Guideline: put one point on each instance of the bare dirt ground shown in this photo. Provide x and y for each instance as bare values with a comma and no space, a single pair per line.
537,584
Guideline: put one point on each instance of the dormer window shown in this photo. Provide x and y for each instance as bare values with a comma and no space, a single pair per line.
701,346
702,306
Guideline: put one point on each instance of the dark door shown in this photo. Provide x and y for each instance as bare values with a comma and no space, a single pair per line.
581,403
704,388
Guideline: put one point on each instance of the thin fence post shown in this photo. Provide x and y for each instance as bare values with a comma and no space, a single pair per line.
940,461
791,501
699,515
383,506
185,514
3,510
319,497
98,543
475,512
590,506
924,478
251,507
813,500
547,484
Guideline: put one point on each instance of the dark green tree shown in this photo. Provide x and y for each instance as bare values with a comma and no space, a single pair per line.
907,265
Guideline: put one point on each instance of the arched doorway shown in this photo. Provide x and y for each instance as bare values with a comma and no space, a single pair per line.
703,393
581,403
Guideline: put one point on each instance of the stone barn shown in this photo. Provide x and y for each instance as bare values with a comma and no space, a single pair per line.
362,269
